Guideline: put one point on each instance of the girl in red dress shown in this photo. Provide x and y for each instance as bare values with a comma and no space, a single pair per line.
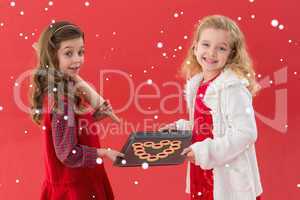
73,156
222,159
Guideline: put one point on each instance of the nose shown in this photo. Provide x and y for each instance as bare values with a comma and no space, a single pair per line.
212,52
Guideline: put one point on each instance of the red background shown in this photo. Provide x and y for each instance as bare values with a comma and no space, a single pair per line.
137,26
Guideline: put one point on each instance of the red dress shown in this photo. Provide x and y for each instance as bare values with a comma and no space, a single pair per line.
201,181
71,170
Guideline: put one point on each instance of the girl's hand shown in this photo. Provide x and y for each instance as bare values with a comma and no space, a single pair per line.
190,156
169,127
77,78
110,154
103,111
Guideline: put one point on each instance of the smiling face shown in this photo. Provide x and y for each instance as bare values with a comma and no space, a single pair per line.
71,56
213,49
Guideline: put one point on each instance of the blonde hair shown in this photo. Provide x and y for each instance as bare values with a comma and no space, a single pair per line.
238,61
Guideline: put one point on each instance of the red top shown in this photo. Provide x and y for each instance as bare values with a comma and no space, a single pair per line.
201,180
72,172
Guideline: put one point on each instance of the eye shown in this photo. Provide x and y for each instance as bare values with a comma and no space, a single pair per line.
81,52
69,53
222,49
205,44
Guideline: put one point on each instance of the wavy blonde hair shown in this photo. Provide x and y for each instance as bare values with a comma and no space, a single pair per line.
47,79
238,61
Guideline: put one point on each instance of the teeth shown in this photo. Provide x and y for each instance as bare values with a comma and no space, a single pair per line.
211,61
74,67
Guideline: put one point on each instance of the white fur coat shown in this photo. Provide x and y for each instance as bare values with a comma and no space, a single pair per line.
231,154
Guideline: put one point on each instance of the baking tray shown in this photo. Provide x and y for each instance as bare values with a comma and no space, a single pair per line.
131,160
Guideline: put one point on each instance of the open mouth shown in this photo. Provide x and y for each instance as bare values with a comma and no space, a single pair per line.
75,69
209,61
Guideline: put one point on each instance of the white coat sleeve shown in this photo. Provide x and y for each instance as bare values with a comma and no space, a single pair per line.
183,125
241,132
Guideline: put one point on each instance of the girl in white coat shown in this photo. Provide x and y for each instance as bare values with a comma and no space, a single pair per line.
219,90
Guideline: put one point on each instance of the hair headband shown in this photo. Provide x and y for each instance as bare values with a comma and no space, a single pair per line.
60,28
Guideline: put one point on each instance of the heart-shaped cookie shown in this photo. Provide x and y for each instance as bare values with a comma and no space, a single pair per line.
140,151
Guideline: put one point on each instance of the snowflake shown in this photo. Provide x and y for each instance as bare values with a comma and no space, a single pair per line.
99,161
12,4
159,45
281,27
145,165
274,22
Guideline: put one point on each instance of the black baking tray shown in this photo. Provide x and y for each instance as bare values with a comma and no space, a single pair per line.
174,159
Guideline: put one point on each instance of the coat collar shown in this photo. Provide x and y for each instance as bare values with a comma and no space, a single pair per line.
226,79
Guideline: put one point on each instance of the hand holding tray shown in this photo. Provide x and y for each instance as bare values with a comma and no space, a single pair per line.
154,148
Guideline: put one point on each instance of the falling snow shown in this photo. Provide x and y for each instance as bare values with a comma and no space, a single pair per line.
274,22
281,27
99,161
145,165
12,4
159,45
123,162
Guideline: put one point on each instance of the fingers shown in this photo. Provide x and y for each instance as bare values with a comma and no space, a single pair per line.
165,128
186,151
120,155
112,155
190,156
169,127
105,110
